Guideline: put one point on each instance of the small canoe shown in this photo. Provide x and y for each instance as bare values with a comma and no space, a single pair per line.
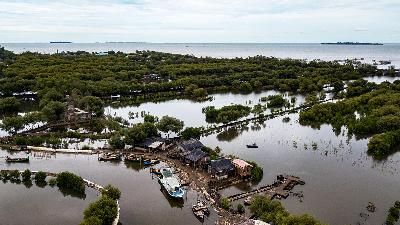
17,160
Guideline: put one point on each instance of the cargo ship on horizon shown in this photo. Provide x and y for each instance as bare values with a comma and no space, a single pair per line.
60,42
350,43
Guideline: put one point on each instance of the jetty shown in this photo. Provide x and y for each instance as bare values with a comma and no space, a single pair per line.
206,131
59,150
53,125
279,189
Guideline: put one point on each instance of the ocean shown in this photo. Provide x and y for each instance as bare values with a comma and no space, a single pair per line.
309,51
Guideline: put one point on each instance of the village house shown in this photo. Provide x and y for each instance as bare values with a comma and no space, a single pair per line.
154,78
221,168
243,168
197,158
153,144
185,147
75,114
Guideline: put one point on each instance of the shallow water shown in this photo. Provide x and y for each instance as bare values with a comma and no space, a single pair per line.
190,111
22,205
309,51
142,201
340,177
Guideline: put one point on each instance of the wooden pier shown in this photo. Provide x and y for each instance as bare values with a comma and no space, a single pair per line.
209,130
279,189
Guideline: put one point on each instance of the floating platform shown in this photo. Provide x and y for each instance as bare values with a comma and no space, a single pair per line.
279,189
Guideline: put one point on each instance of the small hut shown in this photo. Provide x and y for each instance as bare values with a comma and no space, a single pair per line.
243,168
75,114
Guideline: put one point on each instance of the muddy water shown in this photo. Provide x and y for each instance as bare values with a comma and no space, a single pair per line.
142,201
190,111
26,204
340,177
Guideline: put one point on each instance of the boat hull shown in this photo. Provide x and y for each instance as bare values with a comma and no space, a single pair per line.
251,146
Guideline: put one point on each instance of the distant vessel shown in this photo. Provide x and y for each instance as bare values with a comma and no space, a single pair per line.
60,42
254,145
350,43
170,183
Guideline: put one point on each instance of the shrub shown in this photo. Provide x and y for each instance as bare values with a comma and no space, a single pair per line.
240,208
53,182
14,174
256,172
111,192
105,209
225,203
40,177
71,181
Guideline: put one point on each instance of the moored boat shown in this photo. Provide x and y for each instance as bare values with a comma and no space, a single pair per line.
110,157
170,183
133,158
200,210
155,171
150,162
9,159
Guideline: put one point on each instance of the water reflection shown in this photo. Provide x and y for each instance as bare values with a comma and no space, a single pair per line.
173,202
137,166
230,134
68,192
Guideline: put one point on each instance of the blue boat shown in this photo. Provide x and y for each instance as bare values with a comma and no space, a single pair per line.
150,162
170,183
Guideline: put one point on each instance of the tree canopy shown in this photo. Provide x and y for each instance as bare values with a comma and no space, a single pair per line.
170,124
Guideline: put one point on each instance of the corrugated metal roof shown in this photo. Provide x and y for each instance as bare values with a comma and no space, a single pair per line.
241,163
191,144
195,155
221,165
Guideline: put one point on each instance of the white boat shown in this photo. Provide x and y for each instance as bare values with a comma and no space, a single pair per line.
171,183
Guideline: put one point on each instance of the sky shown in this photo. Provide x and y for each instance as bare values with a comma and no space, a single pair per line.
200,21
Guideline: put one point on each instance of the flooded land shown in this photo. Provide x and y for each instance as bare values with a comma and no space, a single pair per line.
340,177
160,138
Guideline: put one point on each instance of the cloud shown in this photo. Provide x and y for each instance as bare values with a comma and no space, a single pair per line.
196,20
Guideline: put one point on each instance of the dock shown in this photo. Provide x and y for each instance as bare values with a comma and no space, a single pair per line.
279,189
59,150
206,131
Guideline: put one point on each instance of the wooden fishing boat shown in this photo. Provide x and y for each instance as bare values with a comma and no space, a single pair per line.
200,210
18,148
155,171
149,162
110,157
133,158
17,160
